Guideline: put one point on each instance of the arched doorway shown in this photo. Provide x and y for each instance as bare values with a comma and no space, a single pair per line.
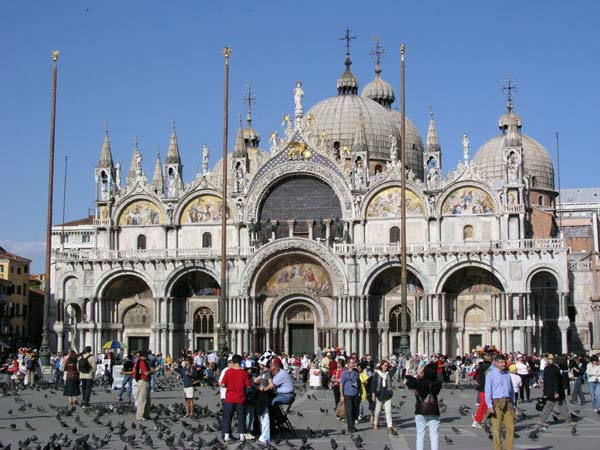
300,322
127,299
73,317
194,303
468,303
385,329
204,329
544,292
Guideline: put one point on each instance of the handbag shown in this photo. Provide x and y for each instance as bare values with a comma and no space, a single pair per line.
539,405
427,406
340,410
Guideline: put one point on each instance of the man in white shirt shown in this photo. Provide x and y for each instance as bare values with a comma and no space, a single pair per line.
523,370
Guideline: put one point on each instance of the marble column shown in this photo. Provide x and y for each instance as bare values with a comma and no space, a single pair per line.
509,341
290,224
596,323
310,224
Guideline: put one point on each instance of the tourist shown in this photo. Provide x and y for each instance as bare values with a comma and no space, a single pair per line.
524,371
127,373
593,377
578,367
304,367
235,380
554,392
142,374
186,371
364,378
324,366
334,380
349,385
284,389
479,374
87,370
32,366
71,389
382,393
427,387
499,398
517,382
263,398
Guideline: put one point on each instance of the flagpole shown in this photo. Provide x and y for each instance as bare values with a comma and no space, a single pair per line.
222,332
404,337
44,347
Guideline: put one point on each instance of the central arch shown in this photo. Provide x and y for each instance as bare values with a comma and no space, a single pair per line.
295,323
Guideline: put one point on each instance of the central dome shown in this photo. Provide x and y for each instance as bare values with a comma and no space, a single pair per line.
341,116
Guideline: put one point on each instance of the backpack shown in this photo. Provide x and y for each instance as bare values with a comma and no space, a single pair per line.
83,365
30,364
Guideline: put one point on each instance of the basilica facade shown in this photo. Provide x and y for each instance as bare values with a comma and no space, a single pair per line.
313,241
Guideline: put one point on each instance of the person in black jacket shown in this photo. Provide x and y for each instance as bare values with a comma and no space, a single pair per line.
426,385
578,367
554,392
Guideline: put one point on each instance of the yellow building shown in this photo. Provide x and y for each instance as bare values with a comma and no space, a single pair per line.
14,298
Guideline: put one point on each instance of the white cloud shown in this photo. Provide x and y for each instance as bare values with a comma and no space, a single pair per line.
33,250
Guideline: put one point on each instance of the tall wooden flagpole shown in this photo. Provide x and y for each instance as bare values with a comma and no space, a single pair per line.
222,333
44,347
404,337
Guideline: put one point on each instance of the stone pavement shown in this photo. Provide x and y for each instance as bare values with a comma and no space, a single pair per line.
18,418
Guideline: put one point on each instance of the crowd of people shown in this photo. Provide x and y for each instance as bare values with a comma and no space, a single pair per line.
255,386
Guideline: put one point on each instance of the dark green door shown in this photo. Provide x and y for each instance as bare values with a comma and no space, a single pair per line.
137,344
302,339
206,344
474,341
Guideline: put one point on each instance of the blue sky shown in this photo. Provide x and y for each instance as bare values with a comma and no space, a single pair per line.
138,65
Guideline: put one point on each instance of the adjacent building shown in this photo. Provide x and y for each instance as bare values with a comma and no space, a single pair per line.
14,298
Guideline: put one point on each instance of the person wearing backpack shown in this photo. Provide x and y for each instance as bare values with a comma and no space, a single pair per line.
427,386
32,367
87,369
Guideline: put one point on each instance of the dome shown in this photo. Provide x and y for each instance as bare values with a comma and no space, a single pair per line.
536,161
339,117
414,143
379,90
251,137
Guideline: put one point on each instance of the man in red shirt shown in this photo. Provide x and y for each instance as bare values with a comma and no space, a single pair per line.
142,373
235,380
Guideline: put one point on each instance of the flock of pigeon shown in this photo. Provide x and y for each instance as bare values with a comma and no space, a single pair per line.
115,426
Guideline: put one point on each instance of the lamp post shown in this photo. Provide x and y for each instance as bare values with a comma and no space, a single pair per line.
44,348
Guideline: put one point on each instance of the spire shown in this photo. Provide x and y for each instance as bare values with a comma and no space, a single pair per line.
240,150
135,170
158,181
106,160
251,136
433,143
346,83
360,142
173,152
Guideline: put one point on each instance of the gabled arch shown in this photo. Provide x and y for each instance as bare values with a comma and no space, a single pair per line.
262,185
447,272
120,207
308,248
382,187
453,187
560,281
177,274
374,272
190,196
102,283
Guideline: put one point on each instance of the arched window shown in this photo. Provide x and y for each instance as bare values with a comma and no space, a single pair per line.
204,321
141,242
378,168
468,232
396,319
540,200
207,240
533,181
394,234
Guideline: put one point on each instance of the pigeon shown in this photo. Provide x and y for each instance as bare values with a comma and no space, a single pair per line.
456,430
28,426
333,443
574,430
448,440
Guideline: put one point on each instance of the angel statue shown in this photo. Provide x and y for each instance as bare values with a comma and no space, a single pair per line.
274,141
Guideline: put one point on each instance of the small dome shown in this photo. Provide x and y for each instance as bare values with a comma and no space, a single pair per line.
379,90
537,162
251,137
347,83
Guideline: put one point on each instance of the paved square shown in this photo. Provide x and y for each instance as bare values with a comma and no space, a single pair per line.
35,416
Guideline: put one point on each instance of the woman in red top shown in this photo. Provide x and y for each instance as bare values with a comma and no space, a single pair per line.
334,380
235,380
